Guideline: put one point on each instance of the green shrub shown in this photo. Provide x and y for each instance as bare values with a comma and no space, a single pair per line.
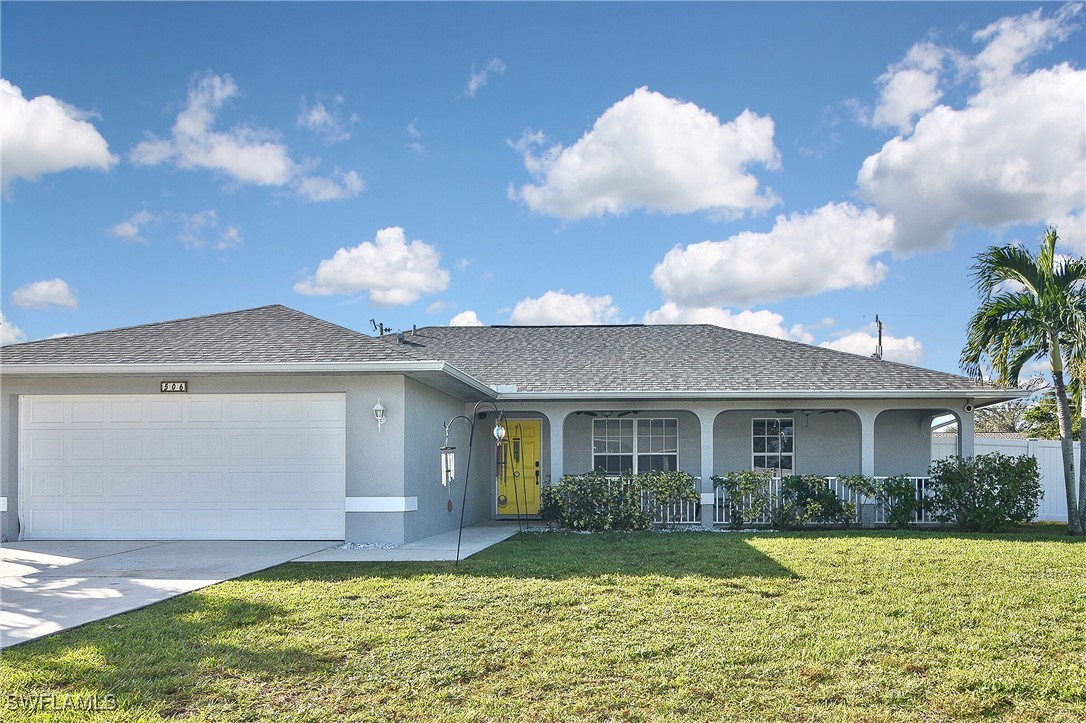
595,502
895,495
807,499
986,492
749,494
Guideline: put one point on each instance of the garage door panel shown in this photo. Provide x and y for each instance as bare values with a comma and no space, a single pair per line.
201,466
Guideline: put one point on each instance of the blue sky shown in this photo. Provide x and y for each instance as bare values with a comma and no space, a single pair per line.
790,169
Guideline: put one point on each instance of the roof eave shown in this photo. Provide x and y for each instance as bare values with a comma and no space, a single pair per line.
407,368
984,395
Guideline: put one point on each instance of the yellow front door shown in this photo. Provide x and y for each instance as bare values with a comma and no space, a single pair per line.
519,470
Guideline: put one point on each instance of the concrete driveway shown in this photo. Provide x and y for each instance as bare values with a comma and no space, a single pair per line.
54,585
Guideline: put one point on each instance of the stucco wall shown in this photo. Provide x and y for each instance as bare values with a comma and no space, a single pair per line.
374,462
578,440
826,444
903,442
427,410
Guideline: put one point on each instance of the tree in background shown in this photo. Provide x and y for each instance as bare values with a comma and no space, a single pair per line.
1033,308
1042,419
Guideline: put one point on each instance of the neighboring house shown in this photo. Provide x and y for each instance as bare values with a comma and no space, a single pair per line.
261,424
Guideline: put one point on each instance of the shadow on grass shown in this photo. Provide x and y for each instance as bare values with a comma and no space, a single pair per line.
557,556
159,654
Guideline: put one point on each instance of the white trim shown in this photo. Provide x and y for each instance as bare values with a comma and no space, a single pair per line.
996,395
382,504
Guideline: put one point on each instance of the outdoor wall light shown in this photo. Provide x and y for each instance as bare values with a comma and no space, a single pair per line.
379,415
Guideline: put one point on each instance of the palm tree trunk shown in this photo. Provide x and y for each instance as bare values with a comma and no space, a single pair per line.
1067,445
1082,451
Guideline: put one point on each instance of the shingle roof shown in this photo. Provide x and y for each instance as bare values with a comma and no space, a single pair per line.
267,334
661,358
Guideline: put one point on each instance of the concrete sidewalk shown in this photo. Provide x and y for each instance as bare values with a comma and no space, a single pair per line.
438,547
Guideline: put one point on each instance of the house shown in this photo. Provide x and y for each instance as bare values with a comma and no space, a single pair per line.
269,423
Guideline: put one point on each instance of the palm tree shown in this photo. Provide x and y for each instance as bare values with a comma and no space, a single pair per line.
1032,308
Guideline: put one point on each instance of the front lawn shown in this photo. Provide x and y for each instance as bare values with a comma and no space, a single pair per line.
859,626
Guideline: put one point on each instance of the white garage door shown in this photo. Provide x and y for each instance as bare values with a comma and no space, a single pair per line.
184,466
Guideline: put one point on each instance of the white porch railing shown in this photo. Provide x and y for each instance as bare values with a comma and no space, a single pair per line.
676,513
722,510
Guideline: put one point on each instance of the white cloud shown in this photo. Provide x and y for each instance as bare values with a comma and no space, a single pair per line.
416,139
763,322
1072,231
909,87
42,294
201,230
337,188
1013,40
9,333
329,123
466,318
393,271
558,307
652,152
831,248
246,154
132,228
1013,154
907,350
45,135
481,76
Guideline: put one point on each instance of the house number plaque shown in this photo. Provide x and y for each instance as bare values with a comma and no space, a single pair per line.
174,387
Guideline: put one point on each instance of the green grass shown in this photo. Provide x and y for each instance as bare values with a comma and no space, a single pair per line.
862,626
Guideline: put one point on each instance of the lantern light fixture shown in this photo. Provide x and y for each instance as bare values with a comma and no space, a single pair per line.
379,415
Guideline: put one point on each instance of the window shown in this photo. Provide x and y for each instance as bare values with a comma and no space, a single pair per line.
773,445
629,445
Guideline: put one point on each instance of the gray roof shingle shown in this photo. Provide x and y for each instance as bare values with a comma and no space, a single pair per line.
661,358
267,334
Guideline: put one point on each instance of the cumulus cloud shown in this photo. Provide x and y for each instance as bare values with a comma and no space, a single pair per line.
1072,231
466,318
834,247
909,87
481,76
9,333
45,135
907,350
652,152
201,230
132,229
393,271
763,322
558,307
43,294
328,121
244,153
1014,153
340,186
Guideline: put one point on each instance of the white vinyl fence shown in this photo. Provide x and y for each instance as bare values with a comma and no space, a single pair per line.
1049,459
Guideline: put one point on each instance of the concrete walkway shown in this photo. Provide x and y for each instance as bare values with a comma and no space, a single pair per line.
438,547
54,585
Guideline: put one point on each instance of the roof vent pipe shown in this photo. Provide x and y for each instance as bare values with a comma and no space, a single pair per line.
878,349
414,329
399,337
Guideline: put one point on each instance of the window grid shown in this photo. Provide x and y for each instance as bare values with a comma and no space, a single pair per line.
617,449
773,444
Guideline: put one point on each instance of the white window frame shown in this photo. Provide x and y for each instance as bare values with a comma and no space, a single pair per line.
754,455
635,452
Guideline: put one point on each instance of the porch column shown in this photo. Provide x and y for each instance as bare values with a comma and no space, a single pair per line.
867,441
706,418
966,434
557,422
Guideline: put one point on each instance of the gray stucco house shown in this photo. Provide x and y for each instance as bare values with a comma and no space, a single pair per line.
263,423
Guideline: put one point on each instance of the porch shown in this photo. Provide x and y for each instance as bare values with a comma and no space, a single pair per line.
831,438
